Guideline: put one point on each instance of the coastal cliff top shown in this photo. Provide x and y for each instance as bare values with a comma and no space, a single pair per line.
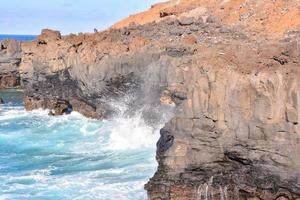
270,18
242,35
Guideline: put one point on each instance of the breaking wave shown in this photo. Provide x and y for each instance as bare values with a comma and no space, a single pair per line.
73,157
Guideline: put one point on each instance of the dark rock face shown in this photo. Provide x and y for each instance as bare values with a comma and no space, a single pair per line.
165,141
60,107
10,58
218,145
235,133
57,93
65,69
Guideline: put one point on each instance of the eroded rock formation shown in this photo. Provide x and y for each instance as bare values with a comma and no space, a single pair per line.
234,133
239,133
10,58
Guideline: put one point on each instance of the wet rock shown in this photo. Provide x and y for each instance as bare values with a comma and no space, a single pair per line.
1,101
60,107
165,141
120,84
86,109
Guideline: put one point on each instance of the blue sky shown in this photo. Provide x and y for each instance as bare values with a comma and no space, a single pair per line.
68,16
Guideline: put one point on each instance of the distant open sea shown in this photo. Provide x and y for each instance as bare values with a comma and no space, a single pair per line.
18,37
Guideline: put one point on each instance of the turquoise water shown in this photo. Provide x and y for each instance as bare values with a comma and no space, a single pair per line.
72,157
18,37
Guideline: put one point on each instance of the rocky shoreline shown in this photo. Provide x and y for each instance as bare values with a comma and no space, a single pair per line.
233,131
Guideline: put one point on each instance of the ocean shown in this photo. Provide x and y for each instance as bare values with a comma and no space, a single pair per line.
18,37
68,157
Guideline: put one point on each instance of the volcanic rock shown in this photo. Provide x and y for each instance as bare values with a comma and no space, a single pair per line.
10,58
232,87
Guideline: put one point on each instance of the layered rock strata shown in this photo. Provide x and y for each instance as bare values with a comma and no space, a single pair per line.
234,133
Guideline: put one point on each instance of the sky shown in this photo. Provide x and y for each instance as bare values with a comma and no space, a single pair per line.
68,16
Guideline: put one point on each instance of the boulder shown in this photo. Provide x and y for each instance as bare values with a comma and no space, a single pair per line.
186,21
48,35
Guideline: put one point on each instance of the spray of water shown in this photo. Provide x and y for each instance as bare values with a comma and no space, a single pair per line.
73,157
133,130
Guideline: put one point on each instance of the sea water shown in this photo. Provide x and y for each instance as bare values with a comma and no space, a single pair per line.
45,157
18,37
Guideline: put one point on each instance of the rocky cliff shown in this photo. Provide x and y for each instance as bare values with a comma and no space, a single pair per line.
232,89
10,58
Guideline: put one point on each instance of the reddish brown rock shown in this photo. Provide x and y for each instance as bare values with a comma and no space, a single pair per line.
264,17
234,132
48,35
85,109
59,107
10,58
190,39
10,80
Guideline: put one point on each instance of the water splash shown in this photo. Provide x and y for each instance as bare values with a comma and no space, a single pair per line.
132,130
132,133
73,157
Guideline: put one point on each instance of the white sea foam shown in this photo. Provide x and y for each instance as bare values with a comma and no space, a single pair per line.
77,157
9,114
132,133
124,133
85,130
12,114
